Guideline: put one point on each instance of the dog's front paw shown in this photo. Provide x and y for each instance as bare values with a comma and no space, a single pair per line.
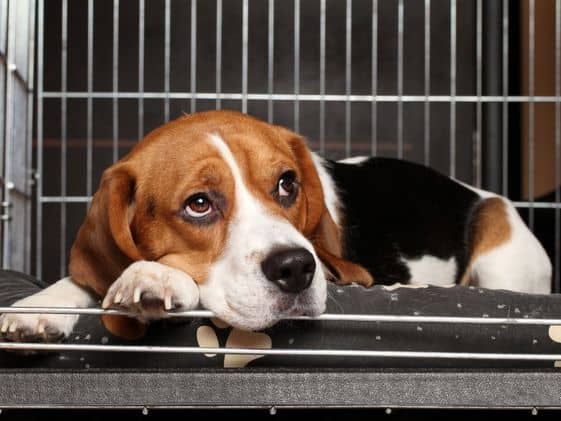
28,327
150,289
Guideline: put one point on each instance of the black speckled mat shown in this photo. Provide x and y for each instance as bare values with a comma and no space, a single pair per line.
430,301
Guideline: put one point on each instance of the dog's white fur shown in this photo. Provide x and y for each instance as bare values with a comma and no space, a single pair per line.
521,264
64,293
432,270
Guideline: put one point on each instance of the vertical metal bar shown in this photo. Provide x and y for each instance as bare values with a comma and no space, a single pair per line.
167,46
374,59
270,59
400,79
478,87
245,25
491,79
453,88
426,108
8,131
39,179
218,53
115,80
193,55
531,68
3,48
89,110
63,137
505,67
348,80
557,278
296,65
141,11
3,77
322,77
29,130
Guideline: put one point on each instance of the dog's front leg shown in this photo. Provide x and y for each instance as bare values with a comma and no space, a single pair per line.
149,290
28,327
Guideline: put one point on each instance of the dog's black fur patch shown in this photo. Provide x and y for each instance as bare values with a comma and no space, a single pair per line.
394,209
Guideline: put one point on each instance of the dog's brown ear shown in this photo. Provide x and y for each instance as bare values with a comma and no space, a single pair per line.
310,182
104,246
320,226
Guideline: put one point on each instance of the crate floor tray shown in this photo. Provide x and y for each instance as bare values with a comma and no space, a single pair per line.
293,388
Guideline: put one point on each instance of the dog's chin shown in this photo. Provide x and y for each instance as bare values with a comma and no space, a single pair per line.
261,319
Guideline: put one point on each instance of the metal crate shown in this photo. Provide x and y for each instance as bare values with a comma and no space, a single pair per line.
460,85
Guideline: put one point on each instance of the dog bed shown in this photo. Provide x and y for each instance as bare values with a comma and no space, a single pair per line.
325,335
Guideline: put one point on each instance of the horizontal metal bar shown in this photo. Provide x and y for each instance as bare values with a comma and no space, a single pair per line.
323,317
299,97
65,199
86,199
289,352
540,205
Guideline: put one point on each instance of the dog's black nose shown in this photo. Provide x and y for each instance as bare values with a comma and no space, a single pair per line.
292,270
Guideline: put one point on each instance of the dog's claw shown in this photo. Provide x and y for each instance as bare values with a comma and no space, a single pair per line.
167,302
136,295
118,297
13,327
41,327
148,290
5,326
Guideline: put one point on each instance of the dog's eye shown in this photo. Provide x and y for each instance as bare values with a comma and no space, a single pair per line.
198,205
287,184
286,189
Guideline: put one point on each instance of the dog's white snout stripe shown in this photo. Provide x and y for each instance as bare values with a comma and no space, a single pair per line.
243,196
237,289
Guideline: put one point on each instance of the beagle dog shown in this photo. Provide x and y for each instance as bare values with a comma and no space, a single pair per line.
221,210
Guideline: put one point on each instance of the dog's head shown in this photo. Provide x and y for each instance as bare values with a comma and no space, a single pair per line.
236,203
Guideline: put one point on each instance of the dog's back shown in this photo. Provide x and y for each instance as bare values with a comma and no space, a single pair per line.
408,223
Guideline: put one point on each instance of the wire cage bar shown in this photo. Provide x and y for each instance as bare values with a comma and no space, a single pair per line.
17,48
277,351
371,318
